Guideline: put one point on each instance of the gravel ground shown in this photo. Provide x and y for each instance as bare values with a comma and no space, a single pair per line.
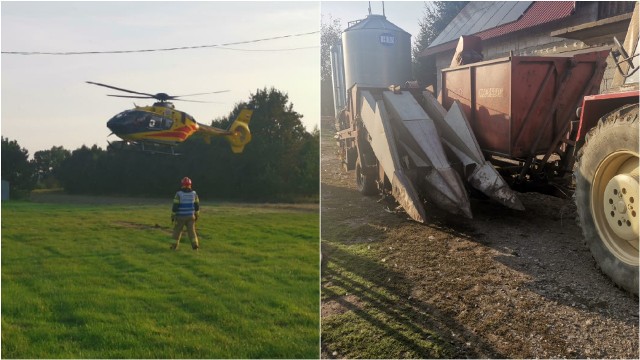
505,284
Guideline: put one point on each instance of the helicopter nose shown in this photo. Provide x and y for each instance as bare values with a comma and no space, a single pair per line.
121,123
114,126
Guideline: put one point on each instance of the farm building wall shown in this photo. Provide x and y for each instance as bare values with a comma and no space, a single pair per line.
5,190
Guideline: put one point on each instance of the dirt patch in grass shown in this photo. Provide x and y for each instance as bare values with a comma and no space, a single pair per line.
138,226
340,307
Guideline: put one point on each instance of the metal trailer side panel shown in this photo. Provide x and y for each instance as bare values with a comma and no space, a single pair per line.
456,86
491,109
521,107
534,84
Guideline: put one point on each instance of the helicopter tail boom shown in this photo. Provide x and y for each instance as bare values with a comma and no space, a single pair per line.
238,135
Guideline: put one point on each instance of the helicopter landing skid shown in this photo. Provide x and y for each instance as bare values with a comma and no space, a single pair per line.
150,148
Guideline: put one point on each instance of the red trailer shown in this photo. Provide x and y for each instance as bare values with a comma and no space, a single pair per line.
541,119
534,109
522,107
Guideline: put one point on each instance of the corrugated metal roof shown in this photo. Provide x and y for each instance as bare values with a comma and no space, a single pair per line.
538,13
375,22
479,16
541,12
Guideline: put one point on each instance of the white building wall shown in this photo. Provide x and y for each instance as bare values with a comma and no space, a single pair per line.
5,190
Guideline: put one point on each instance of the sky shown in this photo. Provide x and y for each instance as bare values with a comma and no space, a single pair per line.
405,14
46,101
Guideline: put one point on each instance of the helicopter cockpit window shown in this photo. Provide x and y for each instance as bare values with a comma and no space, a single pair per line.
135,120
159,123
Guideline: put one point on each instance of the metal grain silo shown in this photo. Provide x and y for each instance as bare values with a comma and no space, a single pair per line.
376,52
337,77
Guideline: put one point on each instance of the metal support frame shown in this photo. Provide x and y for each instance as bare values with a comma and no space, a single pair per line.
547,120
531,159
564,132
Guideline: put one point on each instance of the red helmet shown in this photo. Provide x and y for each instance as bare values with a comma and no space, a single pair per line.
186,182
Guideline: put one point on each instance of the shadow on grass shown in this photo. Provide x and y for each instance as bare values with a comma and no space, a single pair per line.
384,302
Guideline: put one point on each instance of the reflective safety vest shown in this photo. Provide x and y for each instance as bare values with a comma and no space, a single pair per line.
186,203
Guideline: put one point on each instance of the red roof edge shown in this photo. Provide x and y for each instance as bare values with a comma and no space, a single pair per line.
540,12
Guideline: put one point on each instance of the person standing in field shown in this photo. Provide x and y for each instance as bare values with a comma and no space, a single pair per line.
185,212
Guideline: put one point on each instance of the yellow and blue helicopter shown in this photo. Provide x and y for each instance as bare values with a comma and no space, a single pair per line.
160,126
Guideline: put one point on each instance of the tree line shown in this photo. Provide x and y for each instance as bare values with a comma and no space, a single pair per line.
281,163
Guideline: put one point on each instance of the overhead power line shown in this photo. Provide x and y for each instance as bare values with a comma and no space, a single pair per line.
271,50
222,46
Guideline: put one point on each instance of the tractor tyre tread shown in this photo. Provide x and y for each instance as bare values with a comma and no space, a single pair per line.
620,122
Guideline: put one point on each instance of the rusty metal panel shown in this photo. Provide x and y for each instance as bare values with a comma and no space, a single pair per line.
519,106
492,107
456,85
531,101
596,106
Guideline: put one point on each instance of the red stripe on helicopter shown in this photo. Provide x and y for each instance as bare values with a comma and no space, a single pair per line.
180,133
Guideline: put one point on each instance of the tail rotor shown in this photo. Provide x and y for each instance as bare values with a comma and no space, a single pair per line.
240,133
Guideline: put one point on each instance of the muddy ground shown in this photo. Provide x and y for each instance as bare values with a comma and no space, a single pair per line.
504,284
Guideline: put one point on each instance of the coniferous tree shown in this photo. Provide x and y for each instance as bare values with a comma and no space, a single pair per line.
437,15
47,163
17,169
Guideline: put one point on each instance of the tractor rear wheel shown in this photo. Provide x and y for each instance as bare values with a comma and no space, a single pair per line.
607,195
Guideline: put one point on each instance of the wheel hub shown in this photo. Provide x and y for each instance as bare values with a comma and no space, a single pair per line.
620,205
615,200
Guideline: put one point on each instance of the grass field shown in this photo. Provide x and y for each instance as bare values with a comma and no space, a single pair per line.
370,313
99,281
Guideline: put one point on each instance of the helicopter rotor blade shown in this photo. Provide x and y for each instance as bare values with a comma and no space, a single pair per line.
133,97
120,89
162,97
171,99
205,93
197,101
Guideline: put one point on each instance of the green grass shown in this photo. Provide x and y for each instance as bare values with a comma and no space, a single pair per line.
83,281
373,313
379,318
